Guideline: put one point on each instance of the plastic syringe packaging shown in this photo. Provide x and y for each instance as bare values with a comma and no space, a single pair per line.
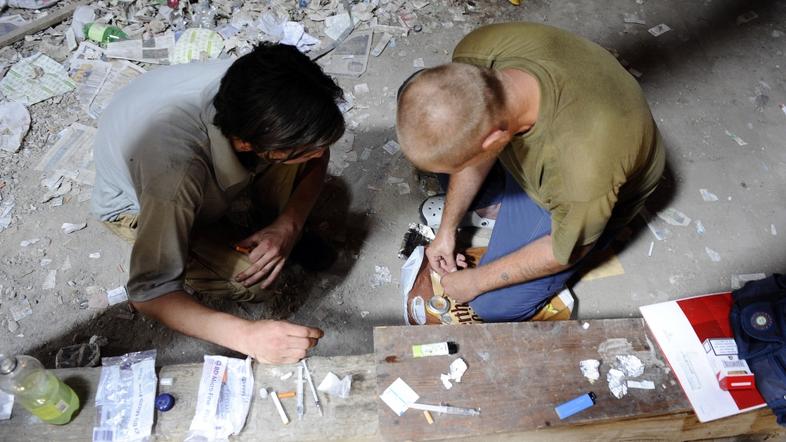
225,391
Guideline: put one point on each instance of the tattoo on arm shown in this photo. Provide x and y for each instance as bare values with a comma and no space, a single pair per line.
504,276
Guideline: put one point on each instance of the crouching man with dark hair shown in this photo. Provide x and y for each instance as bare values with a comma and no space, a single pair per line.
211,170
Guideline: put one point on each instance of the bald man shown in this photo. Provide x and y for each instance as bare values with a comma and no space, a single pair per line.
578,147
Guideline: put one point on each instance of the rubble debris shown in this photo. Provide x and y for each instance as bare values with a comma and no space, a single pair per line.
35,79
14,124
28,242
20,309
71,227
381,276
589,369
6,212
10,23
50,280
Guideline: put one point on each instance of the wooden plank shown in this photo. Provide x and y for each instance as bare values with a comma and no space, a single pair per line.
354,418
518,373
51,19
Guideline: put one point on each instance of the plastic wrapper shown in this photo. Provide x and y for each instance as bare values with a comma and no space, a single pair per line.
225,391
125,398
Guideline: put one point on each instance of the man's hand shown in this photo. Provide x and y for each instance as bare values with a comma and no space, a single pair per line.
270,249
462,286
278,342
440,252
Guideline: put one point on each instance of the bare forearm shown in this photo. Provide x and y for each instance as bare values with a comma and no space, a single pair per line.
181,312
307,190
533,261
464,185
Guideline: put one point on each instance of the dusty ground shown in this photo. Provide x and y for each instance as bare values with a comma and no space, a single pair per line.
707,76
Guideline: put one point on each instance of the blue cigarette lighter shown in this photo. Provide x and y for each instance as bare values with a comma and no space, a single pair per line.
576,405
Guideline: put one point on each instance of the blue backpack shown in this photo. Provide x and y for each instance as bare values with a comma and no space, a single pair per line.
758,319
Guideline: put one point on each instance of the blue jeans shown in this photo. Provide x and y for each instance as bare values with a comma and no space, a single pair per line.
520,221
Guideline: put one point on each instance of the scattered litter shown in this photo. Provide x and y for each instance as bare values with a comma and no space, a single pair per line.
699,227
31,4
20,309
6,405
391,147
641,385
71,228
633,18
81,355
61,188
286,376
659,233
334,386
381,45
50,280
350,58
773,230
117,295
589,369
403,188
198,44
29,242
652,245
737,139
630,365
157,50
96,297
747,17
708,196
714,256
45,262
35,79
166,382
95,255
674,217
657,31
617,384
10,23
14,124
71,155
381,276
457,370
585,325
418,63
336,25
738,281
361,89
6,213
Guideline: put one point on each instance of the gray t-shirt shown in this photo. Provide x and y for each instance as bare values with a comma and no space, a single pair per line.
158,154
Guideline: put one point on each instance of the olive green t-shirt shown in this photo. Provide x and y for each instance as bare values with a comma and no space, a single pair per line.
594,154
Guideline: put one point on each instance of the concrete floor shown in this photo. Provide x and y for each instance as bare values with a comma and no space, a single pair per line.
708,76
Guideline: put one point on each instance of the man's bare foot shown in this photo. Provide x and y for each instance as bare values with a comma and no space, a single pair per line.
489,212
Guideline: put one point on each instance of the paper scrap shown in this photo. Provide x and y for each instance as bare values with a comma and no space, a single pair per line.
736,139
50,280
350,58
20,309
35,79
334,386
381,276
14,124
157,50
632,18
6,405
617,384
418,63
6,213
71,227
589,368
10,23
391,147
399,396
383,43
659,29
674,217
714,256
630,365
117,295
641,385
336,25
72,155
708,196
197,44
457,369
699,227
295,35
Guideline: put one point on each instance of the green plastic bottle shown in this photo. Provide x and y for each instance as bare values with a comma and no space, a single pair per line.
37,389
101,33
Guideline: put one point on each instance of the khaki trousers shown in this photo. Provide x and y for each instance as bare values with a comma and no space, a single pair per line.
213,261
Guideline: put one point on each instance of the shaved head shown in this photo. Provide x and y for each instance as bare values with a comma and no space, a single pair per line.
444,114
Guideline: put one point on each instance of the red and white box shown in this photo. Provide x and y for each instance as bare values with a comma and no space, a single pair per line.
732,372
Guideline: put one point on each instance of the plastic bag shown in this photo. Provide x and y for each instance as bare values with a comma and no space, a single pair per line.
125,398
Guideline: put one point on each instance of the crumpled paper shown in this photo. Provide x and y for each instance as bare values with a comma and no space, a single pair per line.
616,380
457,370
334,386
630,365
589,368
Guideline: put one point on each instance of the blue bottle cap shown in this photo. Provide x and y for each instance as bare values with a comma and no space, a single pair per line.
165,402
